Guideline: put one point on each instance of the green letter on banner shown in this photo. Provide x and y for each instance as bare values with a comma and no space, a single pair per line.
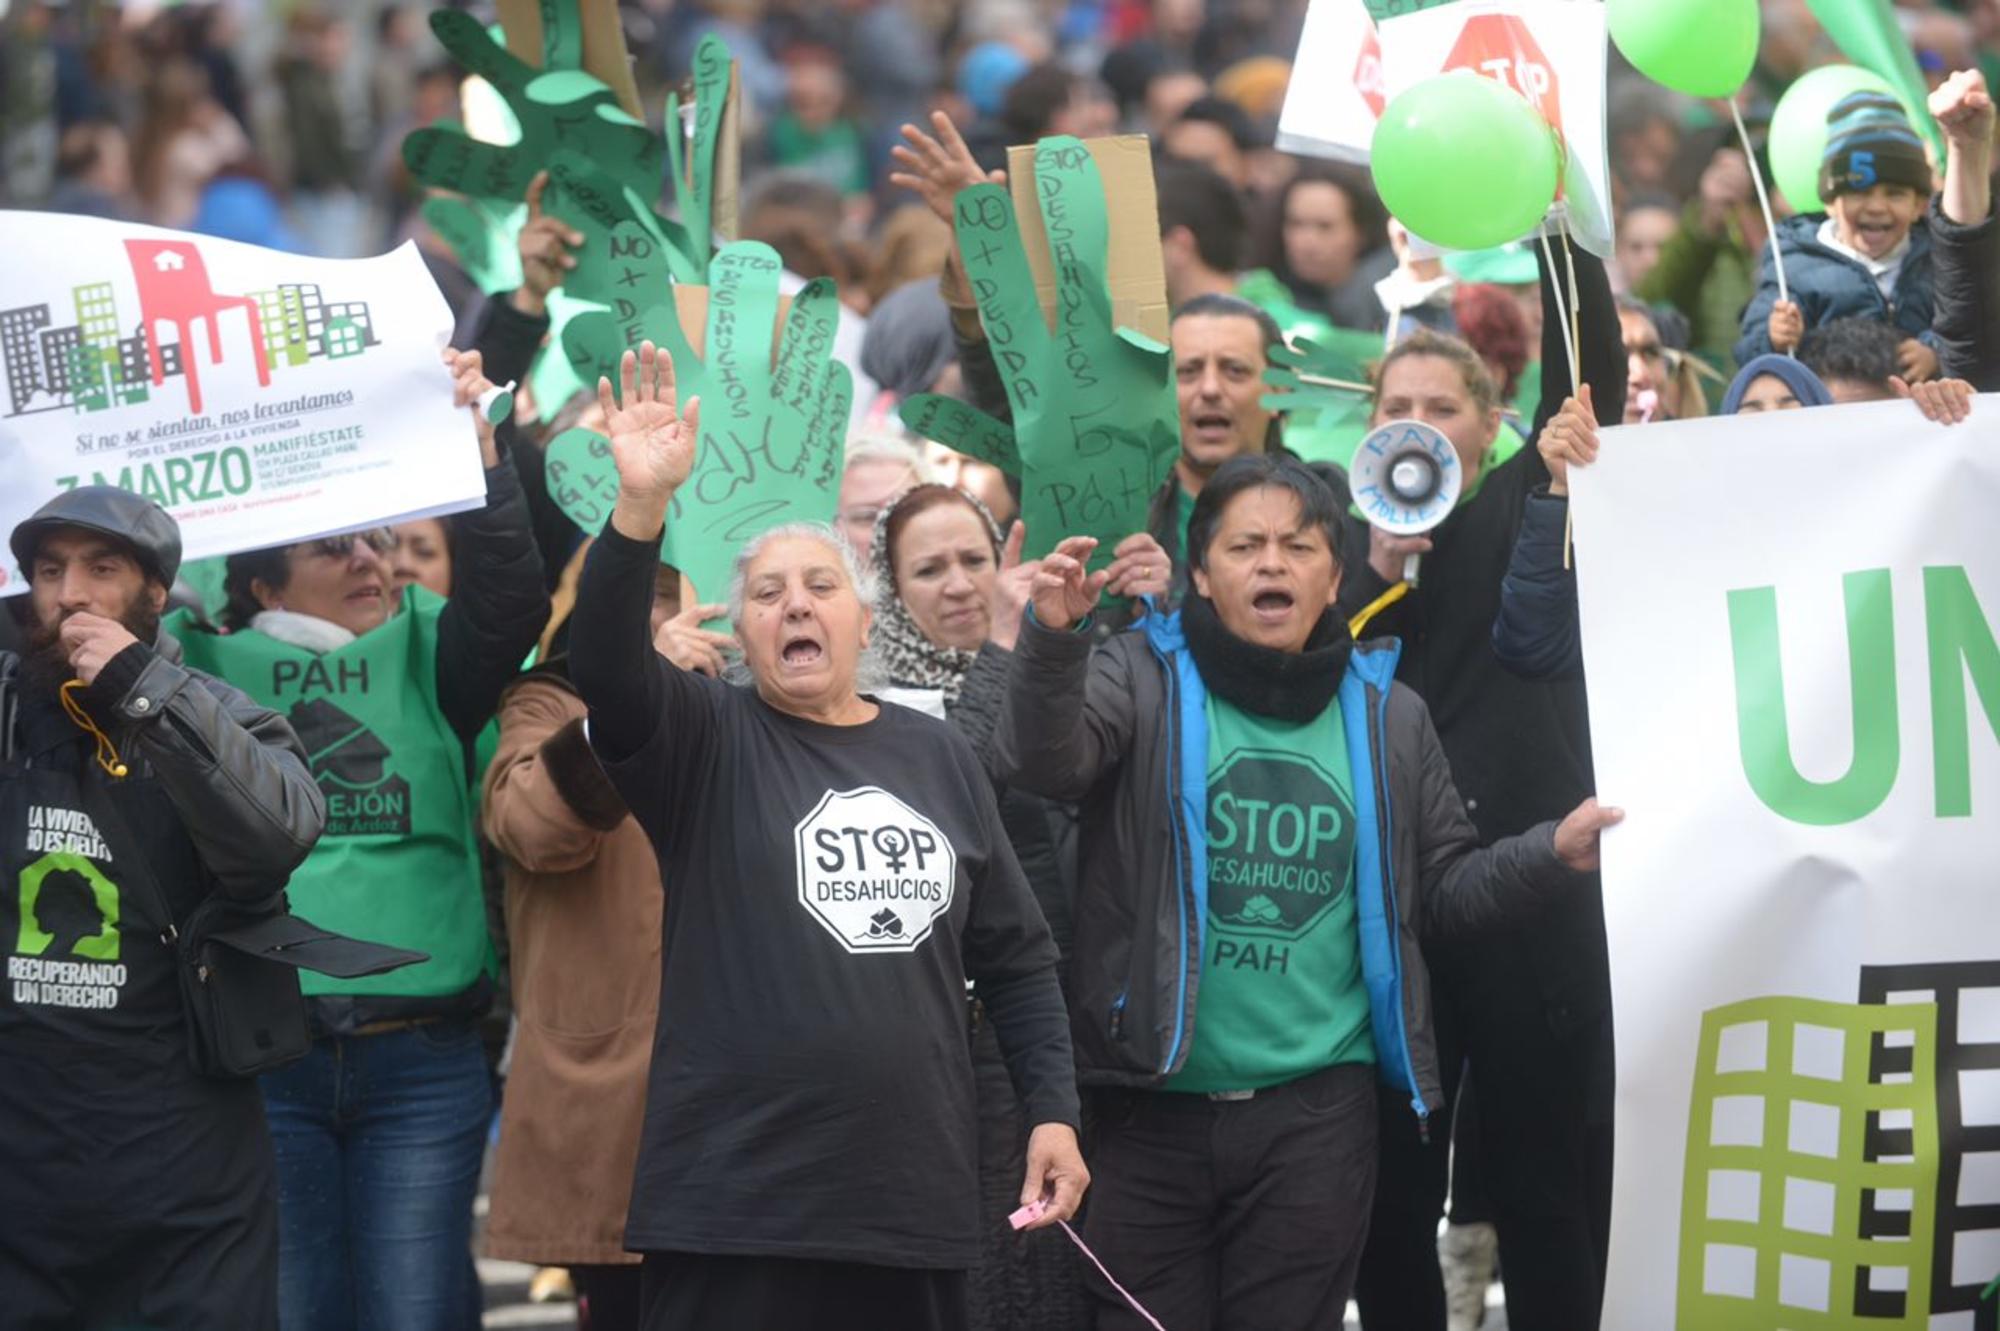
1762,731
1958,631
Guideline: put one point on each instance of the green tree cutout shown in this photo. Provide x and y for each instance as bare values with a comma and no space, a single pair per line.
771,445
1095,429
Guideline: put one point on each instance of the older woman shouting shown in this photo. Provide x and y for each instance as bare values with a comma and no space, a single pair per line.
839,869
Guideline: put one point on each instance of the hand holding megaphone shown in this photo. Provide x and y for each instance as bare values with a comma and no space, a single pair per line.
1406,478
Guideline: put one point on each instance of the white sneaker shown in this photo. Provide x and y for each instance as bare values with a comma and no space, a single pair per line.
1468,1254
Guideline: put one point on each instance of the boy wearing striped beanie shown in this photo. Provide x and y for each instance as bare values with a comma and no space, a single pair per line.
1866,255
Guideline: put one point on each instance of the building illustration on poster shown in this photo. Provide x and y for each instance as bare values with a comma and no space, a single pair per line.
89,365
1843,1160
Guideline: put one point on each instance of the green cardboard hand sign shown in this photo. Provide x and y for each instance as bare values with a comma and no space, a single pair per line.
558,109
694,199
484,235
772,430
1096,429
581,477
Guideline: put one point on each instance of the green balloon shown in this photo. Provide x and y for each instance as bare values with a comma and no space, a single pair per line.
1465,162
1704,48
1798,128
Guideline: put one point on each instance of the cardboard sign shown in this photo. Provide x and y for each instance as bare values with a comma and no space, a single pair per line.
1138,275
602,53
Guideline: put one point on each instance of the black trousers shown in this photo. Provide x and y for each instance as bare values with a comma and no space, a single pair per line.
1240,1215
685,1291
1545,1132
133,1193
608,1297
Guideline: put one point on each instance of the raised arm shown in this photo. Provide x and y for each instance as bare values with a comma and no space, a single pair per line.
936,166
1966,236
1600,348
640,703
499,601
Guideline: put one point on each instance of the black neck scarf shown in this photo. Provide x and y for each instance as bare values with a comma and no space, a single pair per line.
1285,686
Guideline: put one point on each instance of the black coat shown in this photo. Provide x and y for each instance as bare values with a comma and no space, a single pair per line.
1519,749
1966,304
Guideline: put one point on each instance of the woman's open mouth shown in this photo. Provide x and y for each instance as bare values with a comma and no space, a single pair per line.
802,652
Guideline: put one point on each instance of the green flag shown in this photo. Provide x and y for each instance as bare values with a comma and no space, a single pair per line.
1867,33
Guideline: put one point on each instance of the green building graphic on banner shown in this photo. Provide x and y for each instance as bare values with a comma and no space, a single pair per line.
1843,1160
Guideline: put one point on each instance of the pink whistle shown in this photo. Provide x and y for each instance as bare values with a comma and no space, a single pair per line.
1029,1214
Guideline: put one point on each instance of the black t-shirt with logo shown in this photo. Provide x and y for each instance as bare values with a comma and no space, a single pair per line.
80,932
829,891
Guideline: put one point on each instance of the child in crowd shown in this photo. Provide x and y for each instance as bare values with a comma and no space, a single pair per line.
1869,254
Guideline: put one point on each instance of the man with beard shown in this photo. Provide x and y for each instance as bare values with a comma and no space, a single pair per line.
136,1191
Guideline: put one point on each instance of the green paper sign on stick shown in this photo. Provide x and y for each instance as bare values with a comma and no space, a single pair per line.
772,429
1095,429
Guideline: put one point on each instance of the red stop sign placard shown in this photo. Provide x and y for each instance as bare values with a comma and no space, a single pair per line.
1368,80
1500,47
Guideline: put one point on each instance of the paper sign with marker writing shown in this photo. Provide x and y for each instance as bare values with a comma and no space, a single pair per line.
1095,427
1135,275
1550,51
261,397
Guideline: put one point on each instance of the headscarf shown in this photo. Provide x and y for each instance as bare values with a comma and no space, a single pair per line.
912,660
1805,385
909,340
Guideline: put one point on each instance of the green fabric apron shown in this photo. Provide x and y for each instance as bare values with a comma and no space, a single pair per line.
398,863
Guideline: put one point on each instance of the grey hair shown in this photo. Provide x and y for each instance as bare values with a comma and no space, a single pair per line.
870,674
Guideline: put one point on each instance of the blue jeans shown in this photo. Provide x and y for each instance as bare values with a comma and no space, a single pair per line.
379,1140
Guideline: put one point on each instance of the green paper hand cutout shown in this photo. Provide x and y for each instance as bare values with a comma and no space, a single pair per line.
1096,429
695,200
771,434
581,477
558,109
485,237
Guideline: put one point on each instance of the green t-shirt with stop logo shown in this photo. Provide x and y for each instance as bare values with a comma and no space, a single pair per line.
1281,992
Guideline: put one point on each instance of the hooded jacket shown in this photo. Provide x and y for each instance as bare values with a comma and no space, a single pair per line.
1124,732
1827,285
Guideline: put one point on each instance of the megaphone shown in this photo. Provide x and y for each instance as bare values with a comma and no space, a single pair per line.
1405,480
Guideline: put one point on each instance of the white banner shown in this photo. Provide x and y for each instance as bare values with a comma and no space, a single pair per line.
1795,695
261,397
1550,51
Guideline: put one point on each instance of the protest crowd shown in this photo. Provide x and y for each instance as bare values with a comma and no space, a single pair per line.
772,901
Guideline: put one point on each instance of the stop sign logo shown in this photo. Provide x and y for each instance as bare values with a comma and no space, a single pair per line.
1500,47
1368,78
873,871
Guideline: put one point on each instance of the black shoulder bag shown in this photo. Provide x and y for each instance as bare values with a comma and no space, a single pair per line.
239,964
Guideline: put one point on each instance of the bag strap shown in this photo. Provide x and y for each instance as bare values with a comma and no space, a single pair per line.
10,702
111,823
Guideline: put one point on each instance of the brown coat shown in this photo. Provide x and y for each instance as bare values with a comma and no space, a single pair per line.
583,917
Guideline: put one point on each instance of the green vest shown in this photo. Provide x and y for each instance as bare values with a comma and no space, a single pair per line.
398,863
